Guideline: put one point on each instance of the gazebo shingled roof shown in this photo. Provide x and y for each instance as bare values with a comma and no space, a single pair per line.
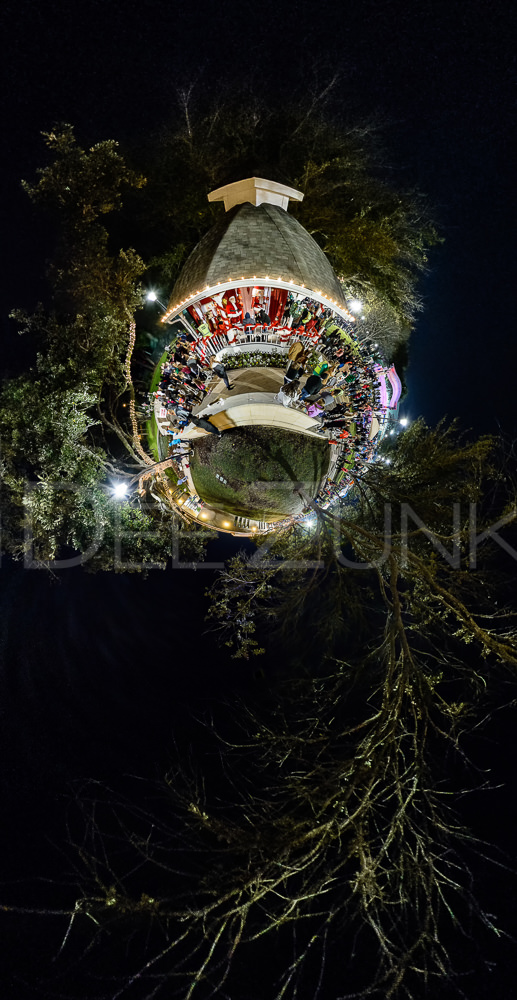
257,240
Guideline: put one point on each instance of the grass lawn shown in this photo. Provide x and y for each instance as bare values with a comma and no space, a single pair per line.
151,430
260,466
150,425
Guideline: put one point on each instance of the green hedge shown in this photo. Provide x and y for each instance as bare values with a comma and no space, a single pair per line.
255,359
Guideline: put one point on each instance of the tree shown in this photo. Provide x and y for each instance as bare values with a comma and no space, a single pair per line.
421,493
81,185
70,426
55,492
325,820
377,239
326,811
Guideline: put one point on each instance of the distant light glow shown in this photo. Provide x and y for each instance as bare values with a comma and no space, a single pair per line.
151,296
119,490
403,421
355,305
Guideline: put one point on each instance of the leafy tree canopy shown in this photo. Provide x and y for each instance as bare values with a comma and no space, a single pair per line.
69,427
81,184
330,812
324,820
376,238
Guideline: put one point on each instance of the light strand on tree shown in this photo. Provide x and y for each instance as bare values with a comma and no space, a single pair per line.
132,411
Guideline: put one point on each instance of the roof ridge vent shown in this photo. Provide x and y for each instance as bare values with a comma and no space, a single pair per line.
256,190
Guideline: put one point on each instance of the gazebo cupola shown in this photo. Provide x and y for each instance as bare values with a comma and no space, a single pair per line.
256,191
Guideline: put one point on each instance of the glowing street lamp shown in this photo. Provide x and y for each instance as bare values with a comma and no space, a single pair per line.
403,421
120,490
152,297
355,306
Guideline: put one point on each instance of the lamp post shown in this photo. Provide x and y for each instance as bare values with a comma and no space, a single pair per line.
121,489
152,297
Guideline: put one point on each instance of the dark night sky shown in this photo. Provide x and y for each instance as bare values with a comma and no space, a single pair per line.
94,669
440,76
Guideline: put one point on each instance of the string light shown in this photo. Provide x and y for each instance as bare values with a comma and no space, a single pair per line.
325,299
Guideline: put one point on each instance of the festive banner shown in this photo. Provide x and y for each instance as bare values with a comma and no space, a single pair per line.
396,386
379,371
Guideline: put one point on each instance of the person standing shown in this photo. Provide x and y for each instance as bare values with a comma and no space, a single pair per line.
288,393
315,410
327,398
294,371
262,317
297,352
181,412
196,369
311,387
206,425
220,370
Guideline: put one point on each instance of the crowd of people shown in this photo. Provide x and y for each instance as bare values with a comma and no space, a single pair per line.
328,374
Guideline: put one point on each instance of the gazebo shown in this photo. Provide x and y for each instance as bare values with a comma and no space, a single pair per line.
256,243
257,277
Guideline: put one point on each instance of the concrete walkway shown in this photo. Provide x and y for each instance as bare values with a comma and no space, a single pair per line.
244,380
